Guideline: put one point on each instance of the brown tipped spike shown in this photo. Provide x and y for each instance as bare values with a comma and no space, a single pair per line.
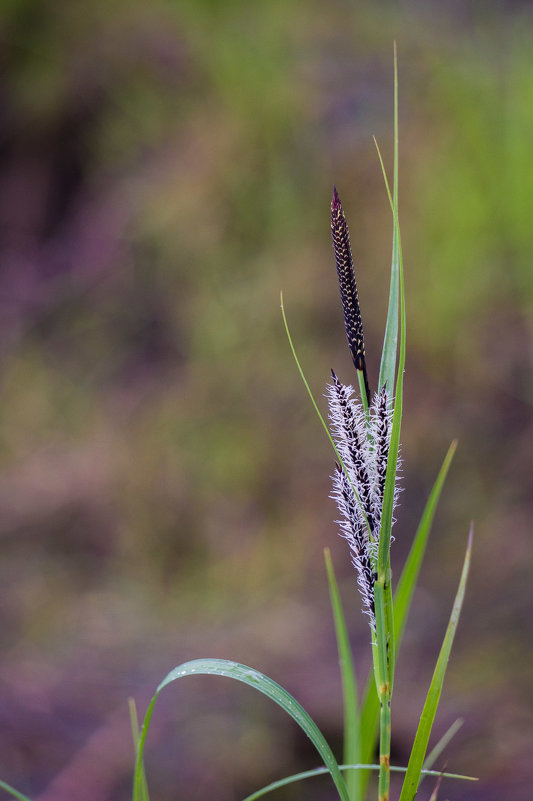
348,287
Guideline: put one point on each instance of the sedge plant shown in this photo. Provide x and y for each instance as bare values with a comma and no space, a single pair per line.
365,436
364,432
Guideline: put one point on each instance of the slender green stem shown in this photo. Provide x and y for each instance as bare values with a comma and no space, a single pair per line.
384,747
352,723
362,390
389,622
383,686
379,649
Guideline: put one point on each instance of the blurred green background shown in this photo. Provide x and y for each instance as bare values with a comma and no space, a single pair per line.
165,169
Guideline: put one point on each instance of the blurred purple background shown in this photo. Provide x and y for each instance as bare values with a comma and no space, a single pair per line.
166,169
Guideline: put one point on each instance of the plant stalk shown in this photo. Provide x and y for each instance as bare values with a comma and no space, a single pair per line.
384,746
382,668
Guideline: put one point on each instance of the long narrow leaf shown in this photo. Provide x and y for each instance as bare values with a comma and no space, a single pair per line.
352,730
390,479
261,683
11,790
134,723
385,641
369,721
317,410
411,570
385,638
384,645
310,774
416,760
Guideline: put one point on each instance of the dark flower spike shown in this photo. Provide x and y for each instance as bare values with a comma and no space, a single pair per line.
348,287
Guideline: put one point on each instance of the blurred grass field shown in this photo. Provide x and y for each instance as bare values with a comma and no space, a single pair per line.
166,169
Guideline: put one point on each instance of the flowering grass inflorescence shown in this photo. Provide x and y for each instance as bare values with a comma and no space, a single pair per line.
361,432
340,238
358,484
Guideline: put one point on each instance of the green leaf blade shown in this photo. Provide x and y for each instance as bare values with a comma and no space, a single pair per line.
261,683
386,639
352,727
418,752
134,723
310,774
13,792
411,570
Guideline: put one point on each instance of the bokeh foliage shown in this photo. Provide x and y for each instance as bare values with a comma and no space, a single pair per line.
166,169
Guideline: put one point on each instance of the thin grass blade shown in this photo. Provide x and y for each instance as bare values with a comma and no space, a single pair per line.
352,730
435,792
416,760
385,640
390,481
435,752
304,379
369,722
310,774
134,723
411,570
261,683
12,792
317,410
390,342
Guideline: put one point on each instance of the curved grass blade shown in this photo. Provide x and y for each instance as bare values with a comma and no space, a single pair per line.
309,774
14,793
304,379
352,726
318,412
402,603
253,678
418,752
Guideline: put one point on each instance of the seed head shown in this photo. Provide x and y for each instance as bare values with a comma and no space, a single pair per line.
350,300
352,530
358,484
